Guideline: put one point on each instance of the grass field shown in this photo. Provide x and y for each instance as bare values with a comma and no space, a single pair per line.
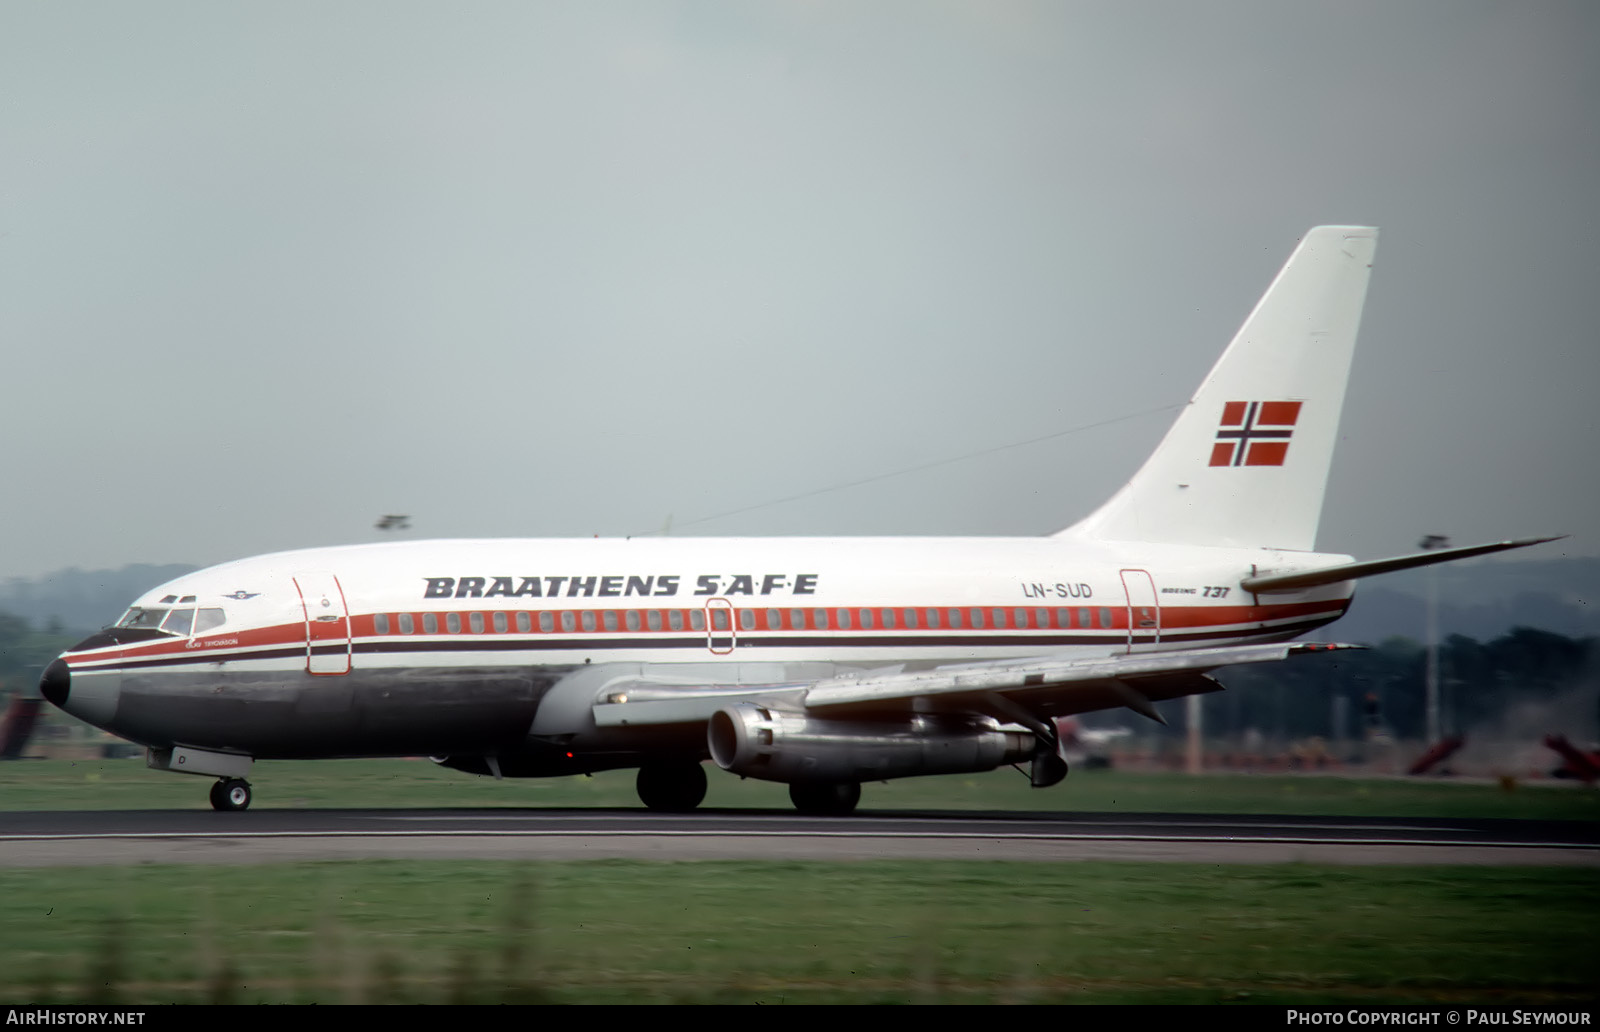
791,932
129,785
621,931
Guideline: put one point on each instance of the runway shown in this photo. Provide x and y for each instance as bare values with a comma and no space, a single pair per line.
82,838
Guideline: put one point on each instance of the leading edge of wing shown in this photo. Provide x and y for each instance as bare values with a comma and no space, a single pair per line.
638,703
1040,675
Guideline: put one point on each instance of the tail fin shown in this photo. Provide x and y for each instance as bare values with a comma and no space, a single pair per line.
1246,462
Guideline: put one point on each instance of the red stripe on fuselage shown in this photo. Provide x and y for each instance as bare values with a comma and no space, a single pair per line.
233,645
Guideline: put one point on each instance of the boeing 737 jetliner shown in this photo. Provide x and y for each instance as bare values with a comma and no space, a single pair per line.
821,663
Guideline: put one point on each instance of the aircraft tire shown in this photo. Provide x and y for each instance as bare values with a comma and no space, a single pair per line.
671,787
230,794
825,798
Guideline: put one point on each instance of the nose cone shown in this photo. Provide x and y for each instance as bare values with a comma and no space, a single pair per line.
56,683
89,695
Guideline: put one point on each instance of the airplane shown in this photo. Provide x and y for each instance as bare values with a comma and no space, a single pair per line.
820,663
1087,746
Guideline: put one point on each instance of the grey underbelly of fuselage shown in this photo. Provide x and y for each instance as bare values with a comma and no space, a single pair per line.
296,715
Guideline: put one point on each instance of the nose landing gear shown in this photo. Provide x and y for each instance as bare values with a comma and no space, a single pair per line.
230,794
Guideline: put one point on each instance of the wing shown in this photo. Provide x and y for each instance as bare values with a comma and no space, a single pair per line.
1015,690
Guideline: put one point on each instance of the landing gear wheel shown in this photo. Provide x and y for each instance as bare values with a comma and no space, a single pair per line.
671,787
825,798
230,794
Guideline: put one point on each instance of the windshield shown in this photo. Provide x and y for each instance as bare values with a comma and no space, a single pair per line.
137,617
182,621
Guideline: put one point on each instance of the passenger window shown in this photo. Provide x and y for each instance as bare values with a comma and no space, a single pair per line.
888,619
569,621
955,618
1041,618
774,619
610,617
588,619
675,619
380,623
525,622
844,619
1064,618
1019,618
747,619
652,619
430,623
933,620
797,619
206,619
179,621
977,617
719,619
475,621
407,624
452,622
1105,617
697,619
547,622
866,619
911,619
631,618
819,619
500,623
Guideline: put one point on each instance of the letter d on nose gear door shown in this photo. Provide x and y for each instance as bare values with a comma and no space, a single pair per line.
327,623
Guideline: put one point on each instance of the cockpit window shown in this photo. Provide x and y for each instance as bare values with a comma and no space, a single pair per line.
183,621
179,622
142,617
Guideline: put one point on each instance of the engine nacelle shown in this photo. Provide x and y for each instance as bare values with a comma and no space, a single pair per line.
756,741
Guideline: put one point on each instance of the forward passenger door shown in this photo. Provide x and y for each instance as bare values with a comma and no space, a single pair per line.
327,623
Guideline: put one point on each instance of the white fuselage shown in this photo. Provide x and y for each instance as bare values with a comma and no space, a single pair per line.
312,639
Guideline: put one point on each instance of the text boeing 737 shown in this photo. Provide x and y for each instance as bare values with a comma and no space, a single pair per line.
821,663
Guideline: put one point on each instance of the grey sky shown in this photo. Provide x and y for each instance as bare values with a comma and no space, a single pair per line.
270,270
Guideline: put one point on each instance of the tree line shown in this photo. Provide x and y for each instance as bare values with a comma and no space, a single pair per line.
1384,688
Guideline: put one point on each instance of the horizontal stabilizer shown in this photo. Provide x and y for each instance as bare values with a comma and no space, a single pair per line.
1294,581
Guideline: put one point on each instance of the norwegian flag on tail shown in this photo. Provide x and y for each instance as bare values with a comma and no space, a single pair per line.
1254,433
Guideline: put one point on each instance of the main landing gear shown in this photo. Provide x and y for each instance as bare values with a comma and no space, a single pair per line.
230,794
671,787
825,798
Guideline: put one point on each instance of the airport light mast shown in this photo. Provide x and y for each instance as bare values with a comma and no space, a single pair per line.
1432,729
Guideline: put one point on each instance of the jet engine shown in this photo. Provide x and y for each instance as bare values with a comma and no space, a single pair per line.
756,741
